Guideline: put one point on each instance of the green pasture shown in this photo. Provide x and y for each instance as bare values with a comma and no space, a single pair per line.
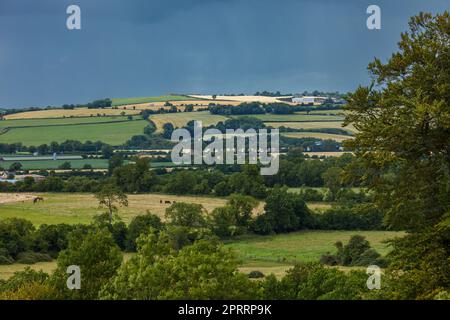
110,133
54,164
59,121
303,246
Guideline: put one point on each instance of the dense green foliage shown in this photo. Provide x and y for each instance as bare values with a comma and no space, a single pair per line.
311,281
204,270
403,126
403,154
357,252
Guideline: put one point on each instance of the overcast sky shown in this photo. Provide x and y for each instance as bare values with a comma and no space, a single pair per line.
154,47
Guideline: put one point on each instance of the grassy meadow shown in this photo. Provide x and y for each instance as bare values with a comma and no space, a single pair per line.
111,133
54,164
37,122
305,246
76,208
77,112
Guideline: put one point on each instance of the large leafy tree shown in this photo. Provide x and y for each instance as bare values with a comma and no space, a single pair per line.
204,270
403,148
403,120
109,196
98,258
283,212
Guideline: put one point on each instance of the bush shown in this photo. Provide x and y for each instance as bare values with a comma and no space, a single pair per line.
357,252
312,281
359,217
256,274
65,166
311,195
15,235
30,257
283,212
51,239
4,260
262,225
328,259
22,278
370,257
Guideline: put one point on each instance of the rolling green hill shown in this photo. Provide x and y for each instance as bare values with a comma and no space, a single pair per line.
23,123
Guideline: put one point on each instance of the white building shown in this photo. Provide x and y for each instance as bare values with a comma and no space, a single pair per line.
310,100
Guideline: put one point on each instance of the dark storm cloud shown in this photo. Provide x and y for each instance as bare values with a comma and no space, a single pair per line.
142,47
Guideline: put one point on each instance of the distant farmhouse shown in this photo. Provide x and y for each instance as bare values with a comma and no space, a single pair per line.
310,100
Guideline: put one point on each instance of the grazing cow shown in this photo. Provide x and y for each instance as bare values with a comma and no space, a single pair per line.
160,201
37,199
167,201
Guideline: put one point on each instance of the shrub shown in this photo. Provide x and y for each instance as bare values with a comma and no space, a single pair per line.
22,278
311,195
359,217
368,257
262,225
357,252
283,212
52,239
4,260
15,236
256,274
312,281
328,259
30,257
65,166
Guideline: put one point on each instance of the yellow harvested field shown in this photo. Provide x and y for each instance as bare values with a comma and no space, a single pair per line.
318,135
182,118
15,197
81,207
198,104
319,206
311,125
60,113
6,271
260,99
